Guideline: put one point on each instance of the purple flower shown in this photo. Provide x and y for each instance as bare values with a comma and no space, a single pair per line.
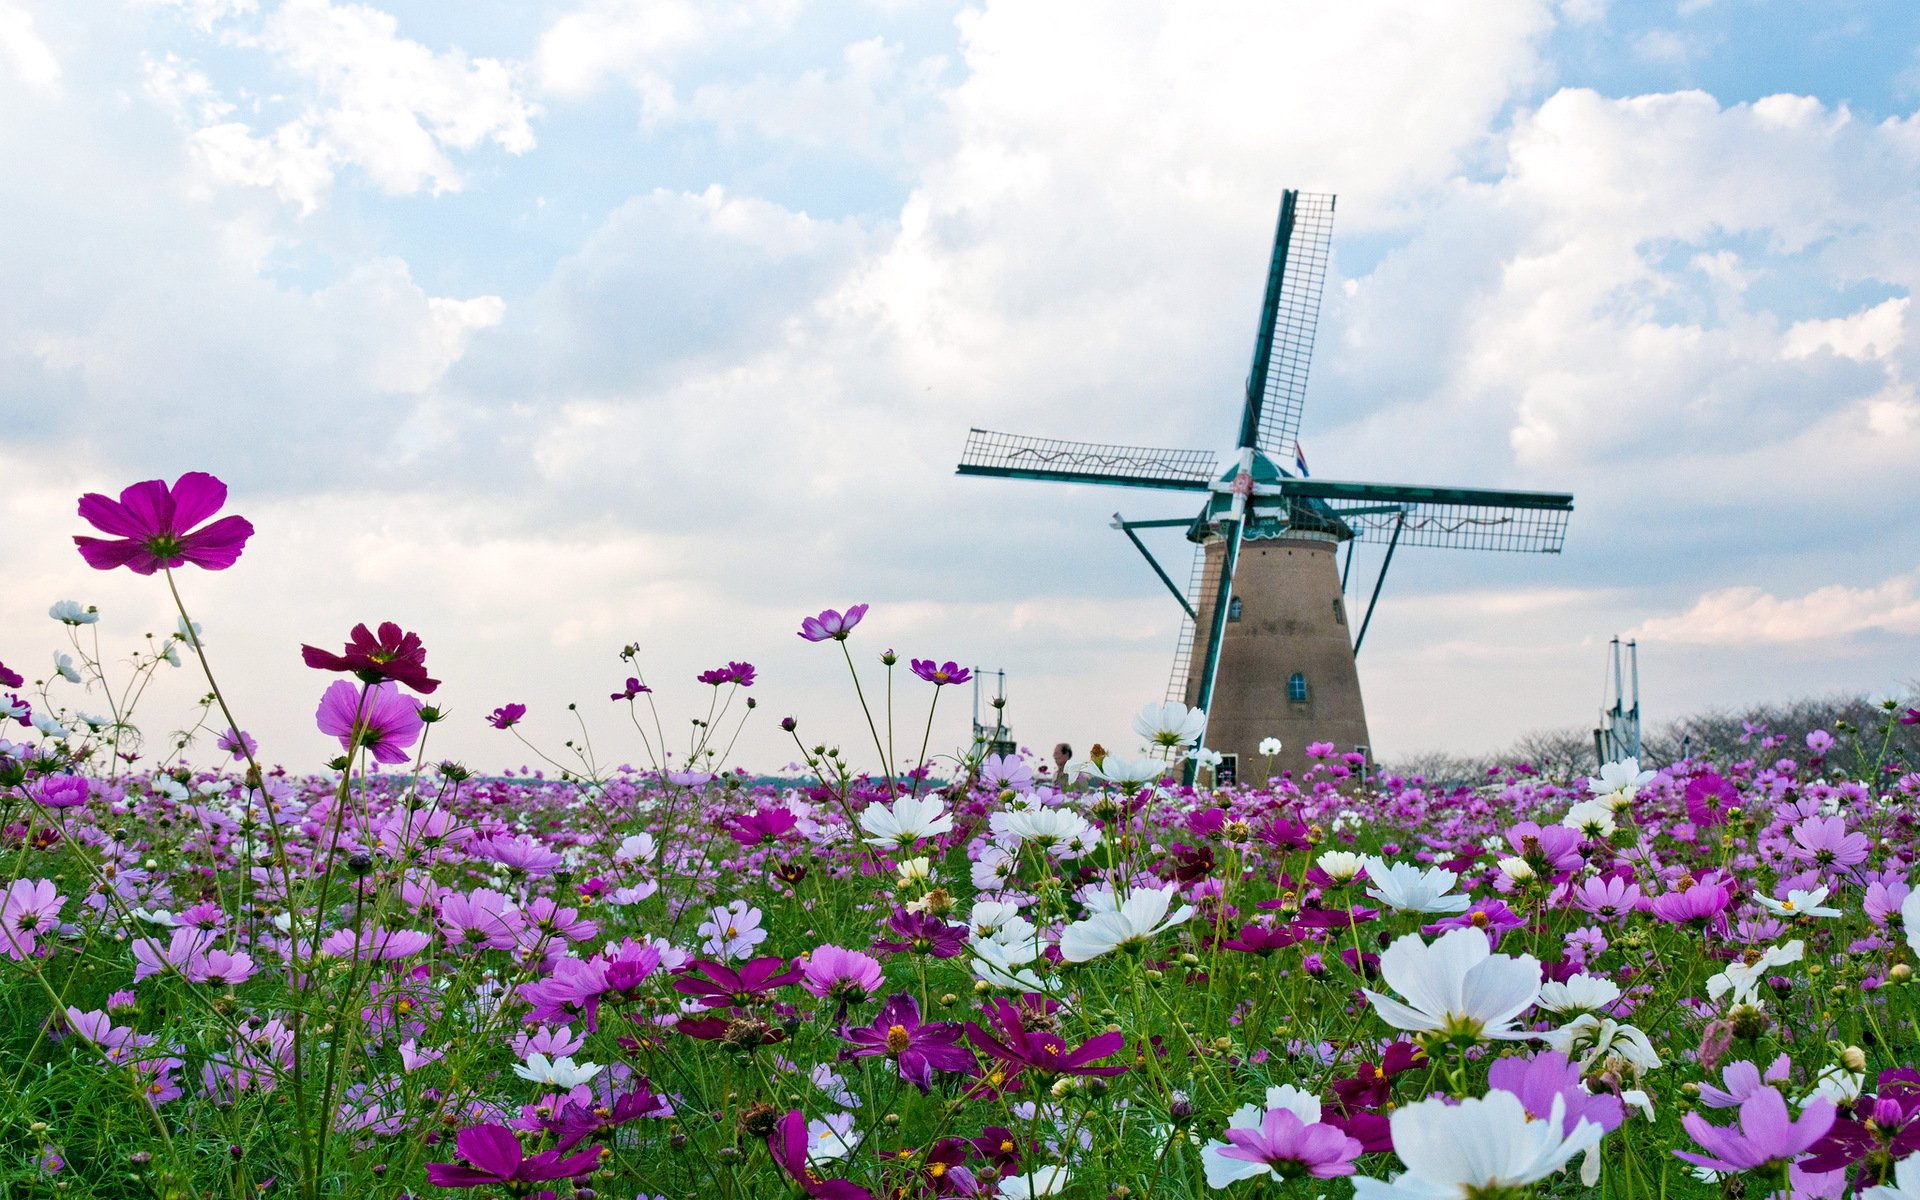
762,826
378,717
719,985
498,1158
835,973
922,933
1042,1050
634,688
1766,1136
920,1048
1491,915
1548,851
153,526
63,791
1825,842
830,625
940,674
1289,1148
1709,797
238,743
1743,1079
394,654
734,672
1548,1076
10,679
1695,904
506,716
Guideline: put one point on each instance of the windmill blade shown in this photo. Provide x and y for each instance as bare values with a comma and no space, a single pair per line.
1013,456
1444,517
1200,581
1277,384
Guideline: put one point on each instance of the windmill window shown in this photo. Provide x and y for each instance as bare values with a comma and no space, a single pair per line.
1233,609
1339,611
1297,688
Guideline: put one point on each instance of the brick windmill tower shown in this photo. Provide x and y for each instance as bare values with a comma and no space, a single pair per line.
1265,603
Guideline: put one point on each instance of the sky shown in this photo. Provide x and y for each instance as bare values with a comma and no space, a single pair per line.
545,329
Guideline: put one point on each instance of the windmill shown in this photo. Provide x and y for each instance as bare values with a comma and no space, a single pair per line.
1265,599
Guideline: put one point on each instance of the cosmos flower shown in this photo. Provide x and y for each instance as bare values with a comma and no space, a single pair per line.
238,743
1765,1136
1285,1141
152,527
836,973
1269,746
1170,725
918,1048
1481,1146
379,718
1456,987
1799,903
1744,976
506,716
907,820
788,1144
939,674
634,688
69,612
497,1158
1408,888
1142,916
831,625
394,654
1619,782
558,1072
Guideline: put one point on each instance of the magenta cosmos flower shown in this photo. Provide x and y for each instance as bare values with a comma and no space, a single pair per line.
153,526
498,1158
919,1047
832,625
395,654
940,673
506,716
836,973
380,718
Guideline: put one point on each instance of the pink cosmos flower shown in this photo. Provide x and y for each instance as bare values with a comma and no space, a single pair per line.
506,716
238,743
836,973
1766,1136
1287,1148
940,674
385,722
63,791
153,527
28,909
918,1048
394,654
831,625
1826,842
1709,797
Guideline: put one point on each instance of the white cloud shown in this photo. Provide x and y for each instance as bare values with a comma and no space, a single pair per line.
30,59
374,100
1871,333
1751,615
640,41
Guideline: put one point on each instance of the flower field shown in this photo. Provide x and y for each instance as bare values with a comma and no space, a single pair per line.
913,973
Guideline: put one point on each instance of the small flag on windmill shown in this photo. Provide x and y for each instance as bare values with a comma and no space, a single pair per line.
1300,460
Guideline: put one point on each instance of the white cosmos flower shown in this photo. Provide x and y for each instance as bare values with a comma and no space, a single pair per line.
1619,782
907,820
13,710
1601,1042
1000,964
1340,865
1515,868
63,667
69,612
1591,818
1269,746
171,652
561,1072
1743,978
1061,832
1036,1181
1203,757
1581,993
45,723
1170,724
1000,921
1799,903
1134,921
638,847
916,870
1484,1145
1456,987
1837,1084
1905,1185
1408,888
833,1138
1129,772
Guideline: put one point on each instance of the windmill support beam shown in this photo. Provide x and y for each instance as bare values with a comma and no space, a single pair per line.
1398,525
1128,527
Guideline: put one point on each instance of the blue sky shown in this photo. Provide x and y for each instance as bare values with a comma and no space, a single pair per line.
548,328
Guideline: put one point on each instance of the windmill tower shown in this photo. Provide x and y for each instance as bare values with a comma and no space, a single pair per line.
1266,646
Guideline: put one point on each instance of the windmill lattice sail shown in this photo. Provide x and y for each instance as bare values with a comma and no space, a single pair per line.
1012,455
